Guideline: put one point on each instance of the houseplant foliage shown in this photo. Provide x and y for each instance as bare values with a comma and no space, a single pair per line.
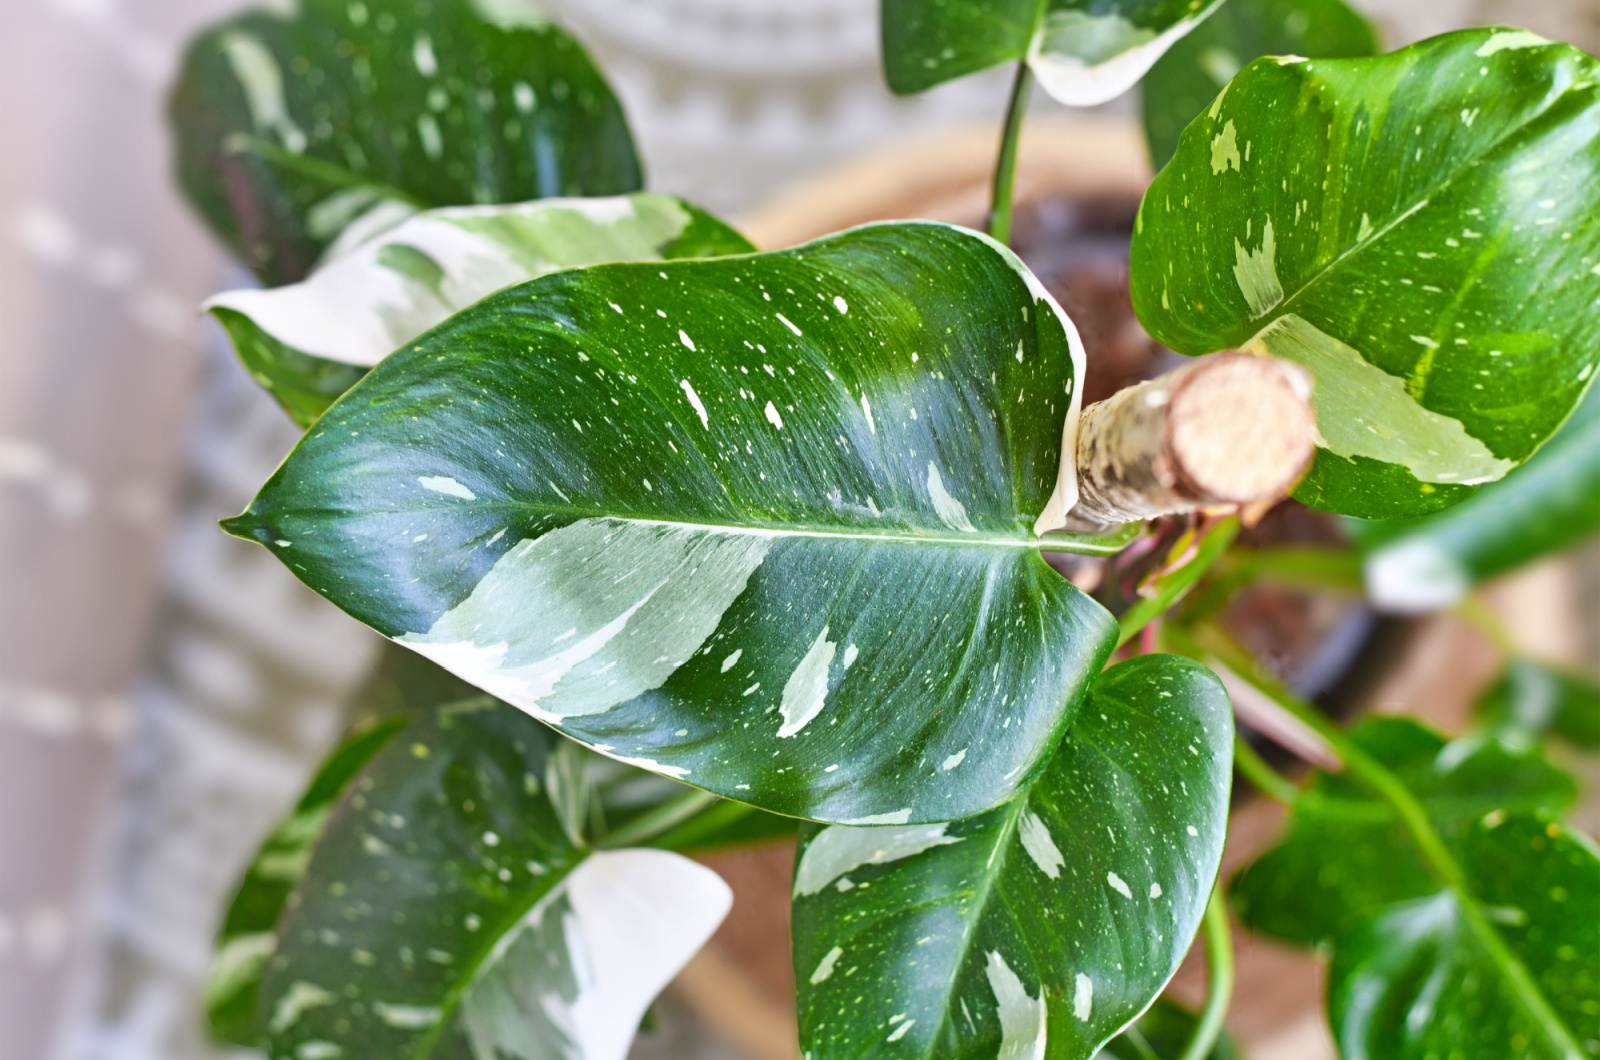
733,538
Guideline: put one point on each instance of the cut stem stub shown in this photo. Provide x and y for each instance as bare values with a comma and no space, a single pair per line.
1229,431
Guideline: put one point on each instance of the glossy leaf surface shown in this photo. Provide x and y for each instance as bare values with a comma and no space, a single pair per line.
765,524
247,939
1346,858
1533,700
447,912
1512,971
1041,929
1430,256
1551,504
1186,80
1084,52
309,342
293,127
1162,1034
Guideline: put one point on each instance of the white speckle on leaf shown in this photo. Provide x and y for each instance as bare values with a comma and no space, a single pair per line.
1155,890
733,660
954,760
789,324
866,410
694,403
1225,150
422,55
951,512
1119,885
1257,273
900,1031
840,304
851,654
841,849
447,486
773,417
406,1017
825,966
1510,40
683,337
806,692
1082,997
1023,1031
1041,846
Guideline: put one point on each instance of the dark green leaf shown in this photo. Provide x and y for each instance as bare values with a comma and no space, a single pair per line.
1419,230
1045,927
1084,52
309,342
1551,504
1185,81
292,128
246,941
1511,971
1346,858
1533,700
447,913
1162,1034
766,524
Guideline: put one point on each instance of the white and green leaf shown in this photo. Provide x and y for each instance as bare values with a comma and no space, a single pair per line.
446,912
767,524
1044,928
1084,52
308,342
1430,251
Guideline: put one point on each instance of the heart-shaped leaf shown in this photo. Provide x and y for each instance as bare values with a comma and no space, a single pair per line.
1346,857
1162,1034
447,913
1418,230
1044,928
309,342
1549,505
765,524
247,938
1185,81
1532,700
291,127
1084,52
1511,969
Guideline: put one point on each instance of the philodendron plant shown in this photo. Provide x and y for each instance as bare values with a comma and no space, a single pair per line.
719,544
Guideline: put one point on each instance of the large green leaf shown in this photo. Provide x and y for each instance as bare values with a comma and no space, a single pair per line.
1162,1034
1511,970
1532,700
291,126
1346,857
309,342
1185,81
766,524
1419,230
1044,928
1084,52
1551,504
448,913
247,938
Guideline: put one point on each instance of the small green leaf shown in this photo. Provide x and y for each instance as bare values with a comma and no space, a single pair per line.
1549,505
247,939
1429,251
1513,970
1162,1034
1045,927
294,129
1346,858
766,524
447,913
309,342
1084,52
1185,81
1533,700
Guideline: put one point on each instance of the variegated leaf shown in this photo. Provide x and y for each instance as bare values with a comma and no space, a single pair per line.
446,912
1084,52
1044,928
299,122
1419,230
307,343
768,524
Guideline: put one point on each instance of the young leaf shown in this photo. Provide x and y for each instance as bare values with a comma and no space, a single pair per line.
247,939
1162,1034
1045,927
1551,504
1346,857
1185,80
1511,970
309,342
446,912
1418,230
1533,700
292,127
765,524
1084,52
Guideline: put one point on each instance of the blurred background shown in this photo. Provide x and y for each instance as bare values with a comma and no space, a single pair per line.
165,690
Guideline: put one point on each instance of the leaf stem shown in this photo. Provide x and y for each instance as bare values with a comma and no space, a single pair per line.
1005,172
1219,974
658,819
1481,617
1274,785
